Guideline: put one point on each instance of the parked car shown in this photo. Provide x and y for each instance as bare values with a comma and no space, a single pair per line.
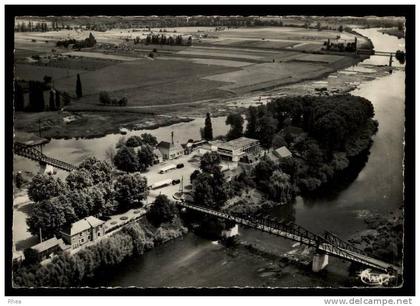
167,168
175,182
179,166
161,184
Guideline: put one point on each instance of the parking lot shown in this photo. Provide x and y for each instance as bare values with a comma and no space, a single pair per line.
191,162
153,176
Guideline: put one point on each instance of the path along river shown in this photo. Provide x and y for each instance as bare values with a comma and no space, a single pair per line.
196,262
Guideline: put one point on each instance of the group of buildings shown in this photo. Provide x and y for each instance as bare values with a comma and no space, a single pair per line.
241,150
76,235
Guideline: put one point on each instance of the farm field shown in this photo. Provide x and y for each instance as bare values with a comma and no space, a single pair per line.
178,79
29,72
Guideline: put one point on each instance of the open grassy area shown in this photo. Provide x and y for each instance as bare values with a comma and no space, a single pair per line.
88,124
30,72
179,79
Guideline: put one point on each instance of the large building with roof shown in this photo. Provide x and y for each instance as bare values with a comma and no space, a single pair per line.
239,149
52,246
83,231
169,150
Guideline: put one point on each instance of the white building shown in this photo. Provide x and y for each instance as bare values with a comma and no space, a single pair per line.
239,148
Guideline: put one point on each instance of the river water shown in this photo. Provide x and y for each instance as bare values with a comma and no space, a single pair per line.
195,262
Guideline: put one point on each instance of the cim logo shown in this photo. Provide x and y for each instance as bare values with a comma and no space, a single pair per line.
375,279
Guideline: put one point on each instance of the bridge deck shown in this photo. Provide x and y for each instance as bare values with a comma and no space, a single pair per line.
36,155
299,234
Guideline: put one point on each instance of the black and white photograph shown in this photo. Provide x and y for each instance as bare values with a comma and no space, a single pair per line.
210,149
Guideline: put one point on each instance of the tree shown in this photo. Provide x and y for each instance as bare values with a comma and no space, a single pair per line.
210,190
100,171
19,97
280,188
263,171
52,101
318,26
31,257
50,216
43,187
278,141
149,139
194,175
104,98
162,211
208,129
79,93
202,190
236,123
340,28
36,96
79,179
134,141
145,157
66,98
267,127
123,101
130,190
81,202
19,179
251,127
210,162
126,160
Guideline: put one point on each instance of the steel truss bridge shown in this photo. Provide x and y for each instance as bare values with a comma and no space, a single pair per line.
374,52
33,153
328,244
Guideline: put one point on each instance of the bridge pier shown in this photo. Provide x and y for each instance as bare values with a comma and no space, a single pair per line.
319,261
233,231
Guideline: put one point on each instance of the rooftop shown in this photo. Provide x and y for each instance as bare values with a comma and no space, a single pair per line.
169,145
47,244
238,143
83,225
282,152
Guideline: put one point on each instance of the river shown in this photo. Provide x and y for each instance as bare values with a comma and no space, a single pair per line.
195,262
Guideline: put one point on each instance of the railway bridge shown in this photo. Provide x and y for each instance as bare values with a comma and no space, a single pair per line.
31,152
328,244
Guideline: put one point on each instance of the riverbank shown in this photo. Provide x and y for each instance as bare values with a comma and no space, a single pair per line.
92,261
394,32
81,120
383,237
89,124
92,123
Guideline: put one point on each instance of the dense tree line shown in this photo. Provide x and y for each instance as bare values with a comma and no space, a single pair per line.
236,123
32,26
78,44
37,97
209,189
105,99
129,160
162,39
162,210
65,270
322,132
89,190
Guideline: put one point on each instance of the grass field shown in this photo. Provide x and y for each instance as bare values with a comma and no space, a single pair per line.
226,64
36,72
